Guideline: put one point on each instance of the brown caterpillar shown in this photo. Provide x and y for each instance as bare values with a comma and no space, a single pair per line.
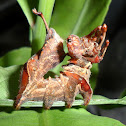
45,59
73,80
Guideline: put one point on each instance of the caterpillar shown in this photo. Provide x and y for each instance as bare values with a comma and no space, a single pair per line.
75,77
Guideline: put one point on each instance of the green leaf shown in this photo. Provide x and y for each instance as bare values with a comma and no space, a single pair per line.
94,73
39,31
16,57
19,118
96,100
78,16
55,117
9,84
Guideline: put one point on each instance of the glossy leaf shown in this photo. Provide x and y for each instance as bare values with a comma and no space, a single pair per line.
78,17
39,31
9,83
93,78
16,57
96,100
55,117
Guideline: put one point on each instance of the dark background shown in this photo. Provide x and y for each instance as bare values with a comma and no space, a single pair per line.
111,80
14,28
14,32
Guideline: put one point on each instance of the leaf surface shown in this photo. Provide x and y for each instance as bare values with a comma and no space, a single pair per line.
55,117
16,57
